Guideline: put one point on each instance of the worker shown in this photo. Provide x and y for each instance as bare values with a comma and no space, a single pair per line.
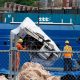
19,47
67,56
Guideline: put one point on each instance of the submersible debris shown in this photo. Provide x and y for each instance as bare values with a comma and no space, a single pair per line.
35,71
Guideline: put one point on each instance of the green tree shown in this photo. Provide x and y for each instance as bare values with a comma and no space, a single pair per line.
26,2
23,2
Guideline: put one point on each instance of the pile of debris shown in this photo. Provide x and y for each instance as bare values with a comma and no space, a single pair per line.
35,71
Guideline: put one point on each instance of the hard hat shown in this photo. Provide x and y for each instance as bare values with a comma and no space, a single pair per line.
67,42
20,40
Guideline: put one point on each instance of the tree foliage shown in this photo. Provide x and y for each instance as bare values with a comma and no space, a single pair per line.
26,2
23,2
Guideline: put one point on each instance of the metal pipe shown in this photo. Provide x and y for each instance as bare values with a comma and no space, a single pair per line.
47,51
38,51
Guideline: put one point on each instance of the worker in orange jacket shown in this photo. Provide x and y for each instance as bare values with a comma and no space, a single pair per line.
19,47
67,56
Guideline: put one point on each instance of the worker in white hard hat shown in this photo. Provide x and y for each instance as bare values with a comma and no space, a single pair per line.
67,56
19,47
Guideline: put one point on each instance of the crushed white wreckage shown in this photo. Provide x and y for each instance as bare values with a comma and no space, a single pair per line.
29,28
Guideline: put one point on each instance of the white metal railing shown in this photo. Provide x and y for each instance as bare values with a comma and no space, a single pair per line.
41,21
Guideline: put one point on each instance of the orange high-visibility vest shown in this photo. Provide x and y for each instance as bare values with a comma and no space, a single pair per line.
19,46
68,51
